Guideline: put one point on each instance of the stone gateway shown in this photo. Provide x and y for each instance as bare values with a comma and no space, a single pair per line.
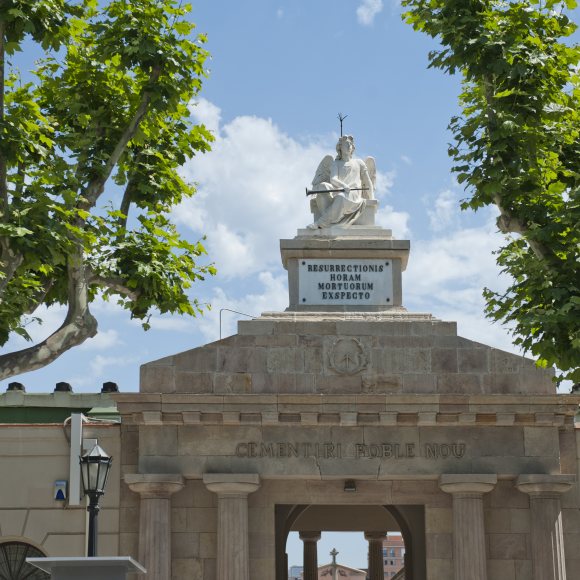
346,412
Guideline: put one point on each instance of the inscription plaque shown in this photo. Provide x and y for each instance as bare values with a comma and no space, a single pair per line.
345,282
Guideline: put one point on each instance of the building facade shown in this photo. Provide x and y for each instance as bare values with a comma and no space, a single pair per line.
393,555
40,513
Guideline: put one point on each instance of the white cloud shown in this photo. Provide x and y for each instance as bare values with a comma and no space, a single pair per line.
385,181
444,212
272,295
446,276
250,192
101,363
52,318
387,217
397,221
206,113
103,340
461,259
367,11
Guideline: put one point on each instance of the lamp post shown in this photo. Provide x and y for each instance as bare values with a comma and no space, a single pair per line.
95,466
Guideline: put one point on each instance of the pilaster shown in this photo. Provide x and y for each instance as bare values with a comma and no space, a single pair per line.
546,515
233,552
469,554
155,520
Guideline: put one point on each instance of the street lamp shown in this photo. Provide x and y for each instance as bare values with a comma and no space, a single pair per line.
95,466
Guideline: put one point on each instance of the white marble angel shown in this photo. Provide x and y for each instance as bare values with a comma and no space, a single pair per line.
354,178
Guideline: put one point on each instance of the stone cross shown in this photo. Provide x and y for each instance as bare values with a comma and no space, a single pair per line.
334,553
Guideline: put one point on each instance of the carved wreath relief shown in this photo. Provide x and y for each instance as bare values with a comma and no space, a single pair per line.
347,356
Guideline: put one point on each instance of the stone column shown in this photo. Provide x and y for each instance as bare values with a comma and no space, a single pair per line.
155,520
233,553
469,557
376,562
310,560
546,515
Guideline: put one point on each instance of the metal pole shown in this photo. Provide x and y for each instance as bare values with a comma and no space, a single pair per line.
93,509
235,312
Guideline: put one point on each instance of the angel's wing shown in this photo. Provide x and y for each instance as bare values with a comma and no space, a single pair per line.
372,167
369,178
323,171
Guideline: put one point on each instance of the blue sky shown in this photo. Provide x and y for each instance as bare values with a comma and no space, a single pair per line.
280,73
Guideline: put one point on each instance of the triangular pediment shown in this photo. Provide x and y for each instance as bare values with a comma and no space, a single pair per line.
343,353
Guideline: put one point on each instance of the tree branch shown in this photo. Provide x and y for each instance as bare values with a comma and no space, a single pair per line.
38,297
508,223
79,324
115,283
19,187
96,186
126,203
9,263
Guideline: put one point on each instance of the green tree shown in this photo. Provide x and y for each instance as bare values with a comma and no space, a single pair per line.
109,105
517,146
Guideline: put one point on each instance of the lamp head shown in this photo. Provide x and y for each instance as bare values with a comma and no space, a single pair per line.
95,466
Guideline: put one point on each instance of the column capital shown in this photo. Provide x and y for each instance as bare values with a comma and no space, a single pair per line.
538,485
232,484
470,484
375,536
310,536
154,485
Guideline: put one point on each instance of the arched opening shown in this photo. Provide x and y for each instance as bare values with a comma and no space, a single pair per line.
375,521
13,564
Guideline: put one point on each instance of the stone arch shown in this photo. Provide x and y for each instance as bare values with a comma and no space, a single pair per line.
411,521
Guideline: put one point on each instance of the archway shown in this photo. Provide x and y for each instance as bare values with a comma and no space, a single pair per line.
371,519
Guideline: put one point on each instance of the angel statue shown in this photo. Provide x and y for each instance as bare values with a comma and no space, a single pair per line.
342,185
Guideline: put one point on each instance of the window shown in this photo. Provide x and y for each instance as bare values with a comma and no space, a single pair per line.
13,564
392,552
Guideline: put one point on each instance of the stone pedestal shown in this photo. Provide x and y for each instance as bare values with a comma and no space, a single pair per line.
88,568
155,520
233,554
546,517
376,563
469,553
310,560
352,268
